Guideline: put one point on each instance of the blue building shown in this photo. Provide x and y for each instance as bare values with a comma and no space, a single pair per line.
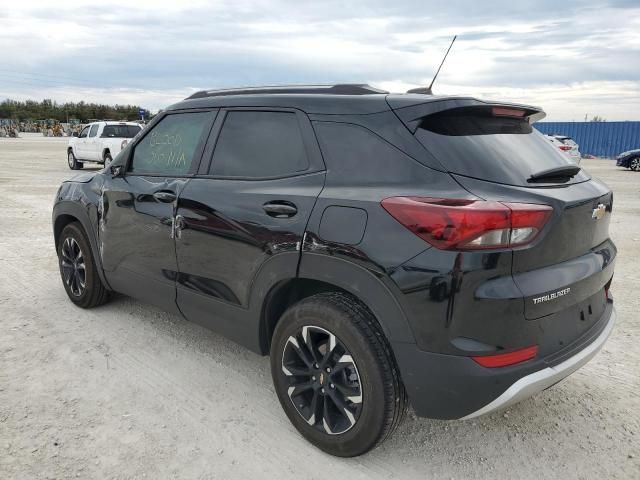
602,139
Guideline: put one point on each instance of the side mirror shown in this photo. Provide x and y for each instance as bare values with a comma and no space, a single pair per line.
75,134
116,170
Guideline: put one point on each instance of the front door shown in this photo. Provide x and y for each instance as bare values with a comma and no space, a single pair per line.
250,206
92,143
137,222
81,143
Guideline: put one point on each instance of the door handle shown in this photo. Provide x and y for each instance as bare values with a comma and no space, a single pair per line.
164,196
280,209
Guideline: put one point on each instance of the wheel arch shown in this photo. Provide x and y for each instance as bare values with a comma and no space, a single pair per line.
66,212
320,273
280,297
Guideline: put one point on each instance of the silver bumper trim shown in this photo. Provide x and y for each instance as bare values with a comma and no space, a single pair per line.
538,381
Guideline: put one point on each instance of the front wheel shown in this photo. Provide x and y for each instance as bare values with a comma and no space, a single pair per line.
107,159
74,164
634,164
335,376
78,269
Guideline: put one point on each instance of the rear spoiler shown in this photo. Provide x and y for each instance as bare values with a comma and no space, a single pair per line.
412,114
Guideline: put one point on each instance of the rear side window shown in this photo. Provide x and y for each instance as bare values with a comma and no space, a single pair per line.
120,131
259,144
171,147
490,144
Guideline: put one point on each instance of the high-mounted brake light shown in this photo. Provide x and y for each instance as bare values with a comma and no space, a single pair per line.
507,112
451,224
506,359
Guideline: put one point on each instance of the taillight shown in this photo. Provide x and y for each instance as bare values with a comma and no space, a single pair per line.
564,148
506,359
451,224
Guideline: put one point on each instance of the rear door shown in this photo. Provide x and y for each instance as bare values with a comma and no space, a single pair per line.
246,211
137,221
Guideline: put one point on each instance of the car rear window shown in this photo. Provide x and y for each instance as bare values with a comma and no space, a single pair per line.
120,131
494,144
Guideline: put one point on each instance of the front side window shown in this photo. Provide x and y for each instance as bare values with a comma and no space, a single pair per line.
171,147
84,132
258,145
94,130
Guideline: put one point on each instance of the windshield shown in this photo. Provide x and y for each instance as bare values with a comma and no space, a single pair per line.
484,143
120,131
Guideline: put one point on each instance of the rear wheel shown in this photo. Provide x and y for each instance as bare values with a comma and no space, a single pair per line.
74,164
634,164
78,270
107,159
335,376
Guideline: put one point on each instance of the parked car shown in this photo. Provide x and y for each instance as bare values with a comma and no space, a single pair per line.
629,159
100,142
567,146
381,248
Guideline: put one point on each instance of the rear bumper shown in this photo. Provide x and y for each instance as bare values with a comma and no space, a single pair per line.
547,377
455,387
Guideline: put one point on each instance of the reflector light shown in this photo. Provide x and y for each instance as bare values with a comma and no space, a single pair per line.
506,359
457,224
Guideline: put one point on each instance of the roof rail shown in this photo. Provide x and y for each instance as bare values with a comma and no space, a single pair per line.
338,89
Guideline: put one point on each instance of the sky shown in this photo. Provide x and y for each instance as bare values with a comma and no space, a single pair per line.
574,58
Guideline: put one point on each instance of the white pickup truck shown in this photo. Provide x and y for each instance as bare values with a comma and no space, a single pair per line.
100,142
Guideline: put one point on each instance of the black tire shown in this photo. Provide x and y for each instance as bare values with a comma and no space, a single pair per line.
73,162
634,164
82,283
107,159
374,385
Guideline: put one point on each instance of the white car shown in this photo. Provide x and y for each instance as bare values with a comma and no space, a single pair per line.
100,142
567,146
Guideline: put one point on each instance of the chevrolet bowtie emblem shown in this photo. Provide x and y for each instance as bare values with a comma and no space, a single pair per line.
599,211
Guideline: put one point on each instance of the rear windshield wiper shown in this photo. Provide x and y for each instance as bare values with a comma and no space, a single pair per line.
555,175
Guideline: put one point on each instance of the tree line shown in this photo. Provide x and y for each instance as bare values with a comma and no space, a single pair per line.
82,111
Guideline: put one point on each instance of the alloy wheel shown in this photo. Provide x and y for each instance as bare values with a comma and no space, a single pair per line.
74,270
635,164
323,380
70,159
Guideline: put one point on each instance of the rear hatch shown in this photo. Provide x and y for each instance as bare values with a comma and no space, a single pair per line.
494,153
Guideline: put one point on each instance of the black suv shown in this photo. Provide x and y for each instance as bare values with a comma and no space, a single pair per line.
381,248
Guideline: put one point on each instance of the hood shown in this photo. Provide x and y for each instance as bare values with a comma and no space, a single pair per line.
629,152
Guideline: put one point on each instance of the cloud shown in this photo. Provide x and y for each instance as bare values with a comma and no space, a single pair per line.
152,52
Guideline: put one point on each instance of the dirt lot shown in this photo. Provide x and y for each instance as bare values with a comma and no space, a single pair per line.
127,391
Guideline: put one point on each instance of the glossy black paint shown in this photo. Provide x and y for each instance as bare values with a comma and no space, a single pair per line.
624,159
453,386
224,248
135,232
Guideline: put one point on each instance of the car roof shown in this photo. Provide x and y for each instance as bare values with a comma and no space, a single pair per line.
346,99
110,122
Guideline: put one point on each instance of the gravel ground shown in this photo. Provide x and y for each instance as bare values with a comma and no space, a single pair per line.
127,391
